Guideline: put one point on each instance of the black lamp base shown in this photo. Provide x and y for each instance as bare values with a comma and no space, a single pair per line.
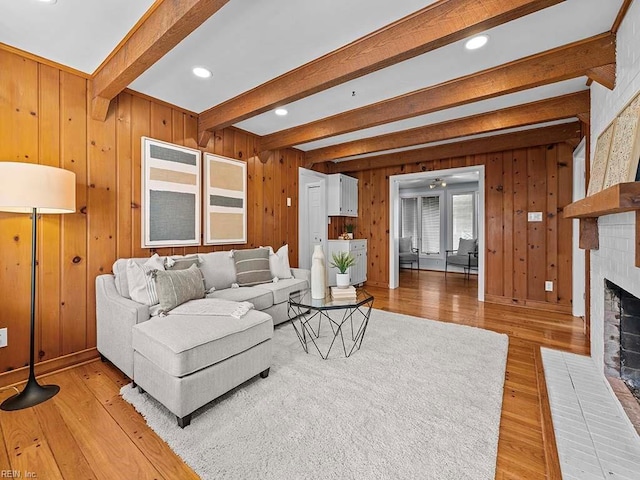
32,395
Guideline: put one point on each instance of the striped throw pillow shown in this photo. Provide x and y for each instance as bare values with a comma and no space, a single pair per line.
252,266
142,288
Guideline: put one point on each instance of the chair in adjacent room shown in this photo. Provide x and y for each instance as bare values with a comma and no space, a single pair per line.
465,256
408,254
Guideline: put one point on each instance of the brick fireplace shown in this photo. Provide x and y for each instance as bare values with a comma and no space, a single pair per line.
622,336
615,290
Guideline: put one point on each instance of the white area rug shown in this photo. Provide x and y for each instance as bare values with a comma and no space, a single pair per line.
420,400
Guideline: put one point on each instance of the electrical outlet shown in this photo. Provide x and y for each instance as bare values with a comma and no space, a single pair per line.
3,337
288,201
548,286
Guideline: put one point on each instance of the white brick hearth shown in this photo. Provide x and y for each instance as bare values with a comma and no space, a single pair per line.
595,439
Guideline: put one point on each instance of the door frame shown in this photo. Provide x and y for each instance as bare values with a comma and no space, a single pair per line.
578,308
394,219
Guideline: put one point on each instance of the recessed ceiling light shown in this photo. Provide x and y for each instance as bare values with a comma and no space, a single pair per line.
476,42
281,112
201,72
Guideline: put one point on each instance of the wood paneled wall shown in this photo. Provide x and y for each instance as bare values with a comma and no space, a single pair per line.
44,119
520,255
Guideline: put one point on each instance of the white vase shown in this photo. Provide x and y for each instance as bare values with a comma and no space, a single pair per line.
342,280
318,273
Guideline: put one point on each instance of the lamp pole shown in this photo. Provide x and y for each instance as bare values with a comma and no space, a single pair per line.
33,393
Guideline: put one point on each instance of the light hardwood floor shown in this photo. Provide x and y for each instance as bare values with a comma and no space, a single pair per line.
88,432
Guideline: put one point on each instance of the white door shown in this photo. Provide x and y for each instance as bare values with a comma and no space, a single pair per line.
314,214
314,221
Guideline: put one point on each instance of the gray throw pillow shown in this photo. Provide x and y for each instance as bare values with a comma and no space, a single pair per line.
182,263
252,266
176,287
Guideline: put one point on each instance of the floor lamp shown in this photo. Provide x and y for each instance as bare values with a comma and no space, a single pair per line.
35,189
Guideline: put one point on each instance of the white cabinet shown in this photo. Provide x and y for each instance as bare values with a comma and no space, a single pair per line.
342,195
358,248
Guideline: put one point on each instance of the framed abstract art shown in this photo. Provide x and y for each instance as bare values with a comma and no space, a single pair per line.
171,185
225,200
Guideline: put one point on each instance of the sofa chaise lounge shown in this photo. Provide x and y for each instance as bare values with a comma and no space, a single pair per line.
185,360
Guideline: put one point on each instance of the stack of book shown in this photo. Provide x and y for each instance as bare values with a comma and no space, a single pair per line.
348,293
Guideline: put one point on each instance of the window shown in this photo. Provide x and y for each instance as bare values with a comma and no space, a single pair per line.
409,220
463,215
430,225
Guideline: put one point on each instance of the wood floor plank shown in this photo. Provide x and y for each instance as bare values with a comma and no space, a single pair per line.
65,448
115,441
4,456
100,382
100,438
27,447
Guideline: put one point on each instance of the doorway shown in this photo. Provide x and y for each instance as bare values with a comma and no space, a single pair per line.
433,180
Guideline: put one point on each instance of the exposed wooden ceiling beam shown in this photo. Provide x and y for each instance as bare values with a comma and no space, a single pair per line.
557,108
497,143
604,75
621,14
432,27
563,63
169,23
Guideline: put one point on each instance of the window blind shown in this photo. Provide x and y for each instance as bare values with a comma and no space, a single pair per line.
409,220
431,225
462,213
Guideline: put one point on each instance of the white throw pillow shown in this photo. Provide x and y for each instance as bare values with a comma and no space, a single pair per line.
279,263
142,287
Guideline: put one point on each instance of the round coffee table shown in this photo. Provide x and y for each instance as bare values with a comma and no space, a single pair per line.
351,315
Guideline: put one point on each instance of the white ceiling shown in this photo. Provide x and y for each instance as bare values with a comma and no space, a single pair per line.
248,43
76,33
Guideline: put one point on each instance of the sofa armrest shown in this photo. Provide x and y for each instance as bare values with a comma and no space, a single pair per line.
302,274
115,317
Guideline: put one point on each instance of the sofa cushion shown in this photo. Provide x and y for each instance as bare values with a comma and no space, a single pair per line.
282,288
252,266
142,287
176,287
184,344
463,260
261,298
218,269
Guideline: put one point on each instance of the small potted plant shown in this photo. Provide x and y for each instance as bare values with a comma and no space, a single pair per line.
342,261
349,229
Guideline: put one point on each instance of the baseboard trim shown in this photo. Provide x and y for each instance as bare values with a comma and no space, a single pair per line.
19,375
534,304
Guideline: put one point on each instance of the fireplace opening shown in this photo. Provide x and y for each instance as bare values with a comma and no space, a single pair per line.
622,336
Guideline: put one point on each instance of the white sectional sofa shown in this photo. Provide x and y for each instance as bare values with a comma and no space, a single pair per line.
185,360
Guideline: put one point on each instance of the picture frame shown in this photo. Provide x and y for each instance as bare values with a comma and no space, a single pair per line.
225,200
601,159
625,146
170,195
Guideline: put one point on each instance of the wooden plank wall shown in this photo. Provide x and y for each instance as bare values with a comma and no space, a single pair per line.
519,255
44,119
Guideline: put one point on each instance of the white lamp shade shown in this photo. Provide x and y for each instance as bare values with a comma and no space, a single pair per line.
25,186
